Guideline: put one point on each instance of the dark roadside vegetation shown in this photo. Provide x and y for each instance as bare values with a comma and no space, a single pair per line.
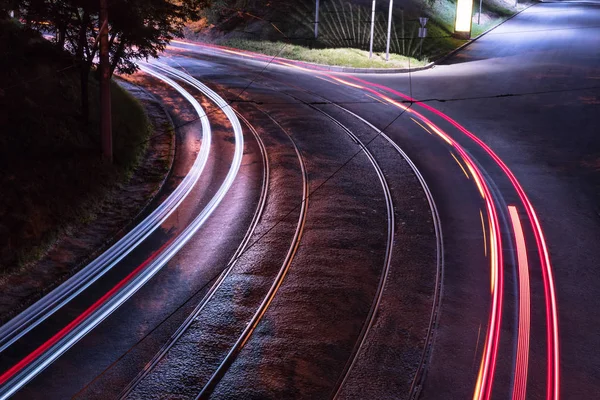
52,174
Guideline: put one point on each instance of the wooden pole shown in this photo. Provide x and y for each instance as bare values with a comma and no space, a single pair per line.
317,20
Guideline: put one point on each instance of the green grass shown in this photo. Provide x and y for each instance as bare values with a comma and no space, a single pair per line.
339,57
53,176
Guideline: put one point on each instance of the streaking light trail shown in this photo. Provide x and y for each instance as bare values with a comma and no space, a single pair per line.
49,304
484,384
553,350
17,376
486,375
522,362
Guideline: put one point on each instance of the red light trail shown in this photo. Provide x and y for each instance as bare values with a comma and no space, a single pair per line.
553,354
64,331
522,362
483,389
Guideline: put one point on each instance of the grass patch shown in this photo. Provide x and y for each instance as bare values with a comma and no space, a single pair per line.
53,176
345,57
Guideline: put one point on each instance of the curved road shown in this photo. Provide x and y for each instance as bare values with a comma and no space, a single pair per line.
490,288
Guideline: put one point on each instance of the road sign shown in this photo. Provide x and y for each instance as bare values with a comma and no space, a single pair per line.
422,32
423,21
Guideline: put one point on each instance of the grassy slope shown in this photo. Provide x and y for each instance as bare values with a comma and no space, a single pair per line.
344,56
52,174
344,27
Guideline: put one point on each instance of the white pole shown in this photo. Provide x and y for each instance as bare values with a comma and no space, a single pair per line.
317,20
372,29
387,47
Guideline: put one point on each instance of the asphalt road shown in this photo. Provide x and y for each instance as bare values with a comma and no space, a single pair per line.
352,314
545,66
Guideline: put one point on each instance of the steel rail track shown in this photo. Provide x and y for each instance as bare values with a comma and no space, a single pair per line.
439,277
210,386
438,288
260,312
217,284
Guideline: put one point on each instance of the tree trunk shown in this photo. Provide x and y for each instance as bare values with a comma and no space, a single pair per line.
84,73
105,106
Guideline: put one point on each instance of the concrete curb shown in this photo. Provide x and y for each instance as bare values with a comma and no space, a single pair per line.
334,68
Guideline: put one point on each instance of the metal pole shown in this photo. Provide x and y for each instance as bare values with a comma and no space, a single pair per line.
403,45
372,30
387,47
317,20
105,107
479,16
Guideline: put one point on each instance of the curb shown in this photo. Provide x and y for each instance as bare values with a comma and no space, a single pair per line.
334,68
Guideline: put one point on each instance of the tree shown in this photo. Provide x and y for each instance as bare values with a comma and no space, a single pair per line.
138,29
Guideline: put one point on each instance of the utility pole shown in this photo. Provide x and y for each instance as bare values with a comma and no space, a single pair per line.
422,33
317,20
387,47
402,29
479,16
105,109
372,30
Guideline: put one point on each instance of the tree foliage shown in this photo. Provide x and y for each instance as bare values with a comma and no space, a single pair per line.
138,28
